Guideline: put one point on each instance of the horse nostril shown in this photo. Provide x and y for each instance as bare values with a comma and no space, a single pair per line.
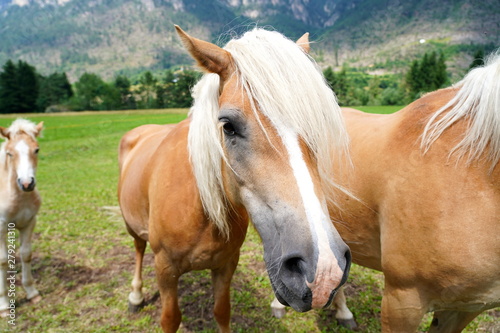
293,264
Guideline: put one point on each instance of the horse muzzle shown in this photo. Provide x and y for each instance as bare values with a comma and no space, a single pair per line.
26,185
295,287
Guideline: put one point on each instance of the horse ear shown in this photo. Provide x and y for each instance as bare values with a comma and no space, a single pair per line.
303,42
39,128
4,133
210,57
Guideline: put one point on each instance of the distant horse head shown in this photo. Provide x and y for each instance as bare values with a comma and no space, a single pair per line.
264,129
20,152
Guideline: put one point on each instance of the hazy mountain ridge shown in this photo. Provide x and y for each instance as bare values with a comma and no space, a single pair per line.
113,36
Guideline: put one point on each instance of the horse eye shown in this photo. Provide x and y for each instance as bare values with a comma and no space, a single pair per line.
228,128
36,151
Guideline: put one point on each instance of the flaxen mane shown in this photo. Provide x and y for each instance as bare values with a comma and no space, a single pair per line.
288,88
478,101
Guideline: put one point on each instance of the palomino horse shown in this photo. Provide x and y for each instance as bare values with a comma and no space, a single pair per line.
258,141
428,217
19,204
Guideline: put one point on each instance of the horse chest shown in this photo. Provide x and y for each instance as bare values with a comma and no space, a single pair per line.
19,210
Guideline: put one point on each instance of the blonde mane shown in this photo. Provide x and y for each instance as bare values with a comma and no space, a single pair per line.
289,90
22,125
478,101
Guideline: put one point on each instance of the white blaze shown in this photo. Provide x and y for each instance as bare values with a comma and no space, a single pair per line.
328,274
25,170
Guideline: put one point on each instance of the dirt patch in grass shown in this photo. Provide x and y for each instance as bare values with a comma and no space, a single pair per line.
68,285
58,276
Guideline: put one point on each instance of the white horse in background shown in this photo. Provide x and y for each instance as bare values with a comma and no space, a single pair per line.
19,204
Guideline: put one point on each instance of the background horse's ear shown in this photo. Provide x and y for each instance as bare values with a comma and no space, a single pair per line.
303,42
4,133
39,128
210,57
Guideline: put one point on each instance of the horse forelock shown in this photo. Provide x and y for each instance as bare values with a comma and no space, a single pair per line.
288,88
21,125
478,101
291,92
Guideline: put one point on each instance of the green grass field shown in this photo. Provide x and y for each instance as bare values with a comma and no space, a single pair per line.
83,257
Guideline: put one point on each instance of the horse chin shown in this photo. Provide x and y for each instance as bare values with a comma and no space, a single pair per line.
298,303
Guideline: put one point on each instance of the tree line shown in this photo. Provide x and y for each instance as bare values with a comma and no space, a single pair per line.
424,75
23,90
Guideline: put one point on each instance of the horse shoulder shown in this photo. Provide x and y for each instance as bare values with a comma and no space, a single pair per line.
177,218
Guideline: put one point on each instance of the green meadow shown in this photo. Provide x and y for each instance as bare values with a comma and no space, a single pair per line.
83,257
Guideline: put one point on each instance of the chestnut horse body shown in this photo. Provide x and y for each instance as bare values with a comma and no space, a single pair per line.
428,215
263,118
19,204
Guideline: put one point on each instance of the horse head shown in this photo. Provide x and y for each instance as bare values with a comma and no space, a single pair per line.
21,152
261,134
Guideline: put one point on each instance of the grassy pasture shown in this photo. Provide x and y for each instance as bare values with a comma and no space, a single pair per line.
83,256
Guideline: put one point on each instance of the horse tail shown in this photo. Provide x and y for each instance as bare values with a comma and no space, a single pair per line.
478,101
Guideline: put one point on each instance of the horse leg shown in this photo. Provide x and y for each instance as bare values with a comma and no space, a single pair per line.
25,234
344,316
451,321
402,310
168,284
277,309
4,300
221,280
136,298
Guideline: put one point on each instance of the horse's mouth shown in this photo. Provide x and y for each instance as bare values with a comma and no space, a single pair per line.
306,301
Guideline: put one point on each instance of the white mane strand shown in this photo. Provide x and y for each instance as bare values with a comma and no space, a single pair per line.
288,88
478,101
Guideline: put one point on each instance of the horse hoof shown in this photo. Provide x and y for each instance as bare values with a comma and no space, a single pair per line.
134,308
278,312
348,323
36,299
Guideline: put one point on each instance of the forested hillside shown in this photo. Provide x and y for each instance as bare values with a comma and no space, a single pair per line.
112,37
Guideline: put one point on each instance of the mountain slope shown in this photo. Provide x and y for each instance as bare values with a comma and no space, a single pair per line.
127,36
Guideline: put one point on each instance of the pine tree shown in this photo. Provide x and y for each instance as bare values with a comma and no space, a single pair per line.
54,89
89,89
148,88
9,89
28,87
478,59
441,77
427,75
338,83
413,79
122,83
